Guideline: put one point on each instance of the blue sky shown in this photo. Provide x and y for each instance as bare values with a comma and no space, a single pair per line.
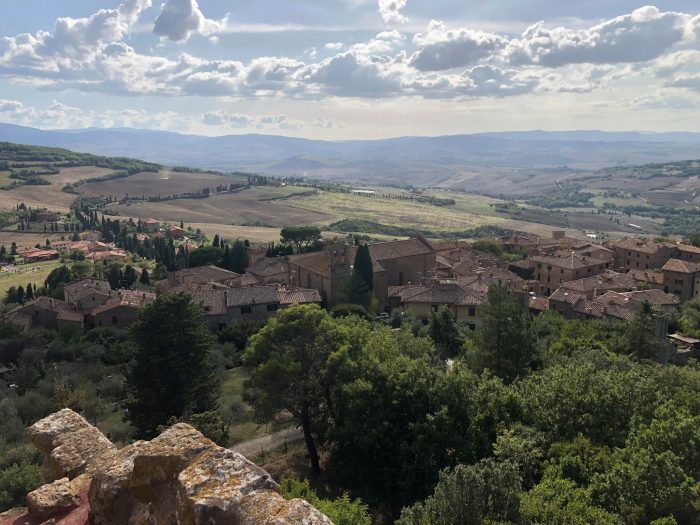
348,69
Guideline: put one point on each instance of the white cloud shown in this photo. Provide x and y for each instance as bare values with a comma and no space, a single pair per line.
180,19
443,48
91,54
390,11
640,36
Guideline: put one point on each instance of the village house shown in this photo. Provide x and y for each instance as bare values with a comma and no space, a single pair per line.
555,269
267,270
150,225
592,287
45,312
113,255
223,305
648,278
681,279
530,244
182,280
420,300
595,251
48,216
640,254
38,255
688,253
175,232
87,293
119,311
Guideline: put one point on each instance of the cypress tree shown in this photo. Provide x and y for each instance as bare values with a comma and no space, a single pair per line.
239,257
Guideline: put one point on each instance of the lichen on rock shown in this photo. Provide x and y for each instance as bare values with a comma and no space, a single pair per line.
180,477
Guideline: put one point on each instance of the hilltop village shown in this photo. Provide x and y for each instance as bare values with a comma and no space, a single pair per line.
577,278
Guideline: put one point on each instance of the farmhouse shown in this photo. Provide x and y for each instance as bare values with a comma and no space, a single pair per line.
150,225
87,293
36,255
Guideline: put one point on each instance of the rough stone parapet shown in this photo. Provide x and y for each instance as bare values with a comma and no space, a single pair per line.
180,477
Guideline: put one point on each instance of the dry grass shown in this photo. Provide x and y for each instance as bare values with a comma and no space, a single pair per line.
243,208
404,213
154,184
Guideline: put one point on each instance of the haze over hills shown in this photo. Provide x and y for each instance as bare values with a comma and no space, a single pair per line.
450,161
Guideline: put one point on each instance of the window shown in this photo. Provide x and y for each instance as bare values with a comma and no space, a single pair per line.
308,280
207,308
222,326
36,313
472,312
114,319
246,310
434,308
400,278
679,281
271,307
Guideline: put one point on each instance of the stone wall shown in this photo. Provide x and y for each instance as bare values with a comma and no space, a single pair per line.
180,477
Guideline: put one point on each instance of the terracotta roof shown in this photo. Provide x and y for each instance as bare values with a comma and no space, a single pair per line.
252,295
647,276
654,296
606,281
85,287
203,274
128,298
68,315
248,279
688,248
443,292
562,295
269,266
396,249
539,303
212,300
641,245
590,308
568,260
298,296
678,266
317,262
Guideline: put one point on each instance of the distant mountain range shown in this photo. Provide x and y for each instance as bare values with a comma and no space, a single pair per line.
445,160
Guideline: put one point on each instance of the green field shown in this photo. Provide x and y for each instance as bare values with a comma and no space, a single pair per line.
35,273
5,179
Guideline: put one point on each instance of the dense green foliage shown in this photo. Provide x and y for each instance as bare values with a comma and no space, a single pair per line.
342,511
171,375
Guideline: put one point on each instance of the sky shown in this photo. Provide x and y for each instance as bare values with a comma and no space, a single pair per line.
351,69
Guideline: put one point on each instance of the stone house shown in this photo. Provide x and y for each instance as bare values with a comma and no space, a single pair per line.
647,279
150,225
555,269
681,279
86,294
423,299
592,287
36,255
186,279
121,310
223,305
688,253
640,254
267,270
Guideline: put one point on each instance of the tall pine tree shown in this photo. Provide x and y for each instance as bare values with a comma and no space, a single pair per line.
171,375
